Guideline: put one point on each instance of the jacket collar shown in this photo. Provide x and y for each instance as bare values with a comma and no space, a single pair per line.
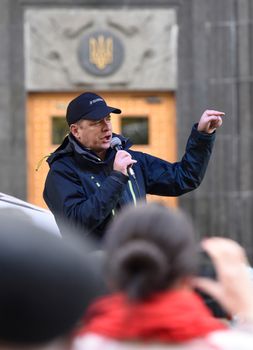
70,146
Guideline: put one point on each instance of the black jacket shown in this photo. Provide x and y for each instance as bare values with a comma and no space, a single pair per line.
87,191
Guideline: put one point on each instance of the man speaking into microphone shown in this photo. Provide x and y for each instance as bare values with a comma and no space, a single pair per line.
94,173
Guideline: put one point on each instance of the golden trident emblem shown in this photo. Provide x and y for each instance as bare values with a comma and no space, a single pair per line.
101,51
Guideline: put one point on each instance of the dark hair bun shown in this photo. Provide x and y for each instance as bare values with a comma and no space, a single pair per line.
139,268
150,248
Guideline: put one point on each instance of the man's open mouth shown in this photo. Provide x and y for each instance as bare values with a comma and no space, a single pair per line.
107,138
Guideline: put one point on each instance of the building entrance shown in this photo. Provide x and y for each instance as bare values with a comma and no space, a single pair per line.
148,119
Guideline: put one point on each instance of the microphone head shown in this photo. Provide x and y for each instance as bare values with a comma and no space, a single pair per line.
116,142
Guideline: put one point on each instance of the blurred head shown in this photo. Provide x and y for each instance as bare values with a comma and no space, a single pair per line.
150,248
46,282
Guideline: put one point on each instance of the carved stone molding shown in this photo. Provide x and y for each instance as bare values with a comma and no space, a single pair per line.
52,44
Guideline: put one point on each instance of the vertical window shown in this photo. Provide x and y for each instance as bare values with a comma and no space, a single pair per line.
136,129
59,129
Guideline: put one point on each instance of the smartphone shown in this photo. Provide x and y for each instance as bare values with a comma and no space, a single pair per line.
205,266
206,269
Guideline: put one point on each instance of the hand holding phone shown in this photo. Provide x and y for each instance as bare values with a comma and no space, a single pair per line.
233,287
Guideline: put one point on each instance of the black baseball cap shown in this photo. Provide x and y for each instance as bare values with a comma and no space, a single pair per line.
88,106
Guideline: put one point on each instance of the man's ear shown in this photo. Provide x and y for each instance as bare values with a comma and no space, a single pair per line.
74,129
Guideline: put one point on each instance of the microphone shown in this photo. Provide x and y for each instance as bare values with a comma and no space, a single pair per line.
116,144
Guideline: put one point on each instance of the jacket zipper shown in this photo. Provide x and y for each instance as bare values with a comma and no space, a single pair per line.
130,185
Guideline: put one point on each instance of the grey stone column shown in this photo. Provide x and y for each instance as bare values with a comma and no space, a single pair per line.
12,110
215,71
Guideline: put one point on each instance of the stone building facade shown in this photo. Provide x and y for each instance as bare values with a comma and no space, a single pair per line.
203,60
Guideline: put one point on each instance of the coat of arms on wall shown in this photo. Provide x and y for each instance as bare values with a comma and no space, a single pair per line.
101,53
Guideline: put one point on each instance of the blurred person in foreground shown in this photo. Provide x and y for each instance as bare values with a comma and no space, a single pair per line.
151,267
46,284
90,178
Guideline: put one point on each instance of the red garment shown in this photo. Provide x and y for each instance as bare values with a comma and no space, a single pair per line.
173,316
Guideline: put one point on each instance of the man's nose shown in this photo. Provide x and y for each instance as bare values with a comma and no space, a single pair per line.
106,124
